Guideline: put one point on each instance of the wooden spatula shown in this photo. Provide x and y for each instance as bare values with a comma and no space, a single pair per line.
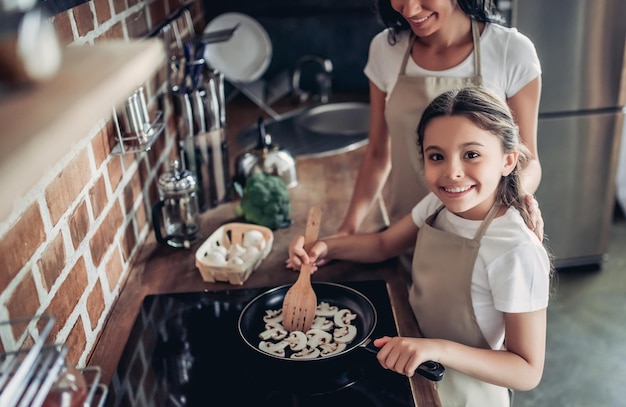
300,301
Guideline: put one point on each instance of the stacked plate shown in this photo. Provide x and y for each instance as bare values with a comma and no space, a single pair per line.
245,57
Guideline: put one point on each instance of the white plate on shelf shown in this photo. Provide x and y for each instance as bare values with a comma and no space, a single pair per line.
246,56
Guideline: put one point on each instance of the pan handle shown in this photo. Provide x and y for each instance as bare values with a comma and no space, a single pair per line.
431,370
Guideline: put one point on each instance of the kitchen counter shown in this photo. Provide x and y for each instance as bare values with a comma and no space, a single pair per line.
326,182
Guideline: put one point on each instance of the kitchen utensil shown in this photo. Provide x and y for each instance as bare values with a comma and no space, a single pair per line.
247,55
177,210
251,323
300,301
212,37
268,157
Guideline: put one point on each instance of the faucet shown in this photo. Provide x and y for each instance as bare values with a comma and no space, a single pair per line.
323,79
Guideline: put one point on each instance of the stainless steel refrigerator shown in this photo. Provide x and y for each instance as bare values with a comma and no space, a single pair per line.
581,47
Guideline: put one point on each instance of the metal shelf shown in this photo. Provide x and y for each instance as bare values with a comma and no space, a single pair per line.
27,374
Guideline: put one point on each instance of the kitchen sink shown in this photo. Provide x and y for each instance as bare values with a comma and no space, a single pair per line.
317,131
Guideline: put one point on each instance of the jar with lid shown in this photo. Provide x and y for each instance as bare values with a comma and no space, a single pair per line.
175,217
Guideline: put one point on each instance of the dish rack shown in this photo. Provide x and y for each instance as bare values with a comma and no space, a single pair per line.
27,374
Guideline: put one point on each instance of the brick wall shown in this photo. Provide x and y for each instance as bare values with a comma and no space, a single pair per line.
68,247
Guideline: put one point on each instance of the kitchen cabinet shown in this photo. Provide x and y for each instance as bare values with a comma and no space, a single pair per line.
42,122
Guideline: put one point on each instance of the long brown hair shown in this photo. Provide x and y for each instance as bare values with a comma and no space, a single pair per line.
490,113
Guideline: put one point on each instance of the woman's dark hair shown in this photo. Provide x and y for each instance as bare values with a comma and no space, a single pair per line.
490,113
480,10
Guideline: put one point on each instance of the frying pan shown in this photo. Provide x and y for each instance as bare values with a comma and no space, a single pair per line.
251,324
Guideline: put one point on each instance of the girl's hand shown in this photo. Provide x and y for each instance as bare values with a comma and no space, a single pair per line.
298,255
318,262
404,355
536,221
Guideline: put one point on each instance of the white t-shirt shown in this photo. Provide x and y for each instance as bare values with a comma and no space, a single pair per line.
509,61
512,270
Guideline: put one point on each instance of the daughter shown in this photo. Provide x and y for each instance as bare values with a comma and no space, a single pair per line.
480,276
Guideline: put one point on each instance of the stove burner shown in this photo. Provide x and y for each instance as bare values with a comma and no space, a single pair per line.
334,381
347,396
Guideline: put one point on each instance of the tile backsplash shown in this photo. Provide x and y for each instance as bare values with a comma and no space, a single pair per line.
67,246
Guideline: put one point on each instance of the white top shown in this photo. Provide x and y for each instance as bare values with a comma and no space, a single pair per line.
509,61
512,269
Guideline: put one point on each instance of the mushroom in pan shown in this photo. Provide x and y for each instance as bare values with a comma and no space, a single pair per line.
324,309
322,323
306,353
343,317
344,334
274,331
273,315
331,348
297,340
277,348
316,337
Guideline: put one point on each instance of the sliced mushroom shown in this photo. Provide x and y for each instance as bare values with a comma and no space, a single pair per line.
274,331
277,348
317,337
322,323
343,317
297,340
273,315
324,309
344,334
331,348
306,353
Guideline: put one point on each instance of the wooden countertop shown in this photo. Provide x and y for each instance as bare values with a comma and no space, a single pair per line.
326,182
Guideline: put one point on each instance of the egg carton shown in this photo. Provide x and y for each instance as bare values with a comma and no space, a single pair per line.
226,236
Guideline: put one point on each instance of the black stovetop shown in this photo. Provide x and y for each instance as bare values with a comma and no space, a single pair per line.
185,350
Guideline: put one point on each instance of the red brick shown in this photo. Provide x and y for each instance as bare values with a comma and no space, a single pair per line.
63,28
52,262
64,189
136,24
157,12
103,11
100,146
114,269
95,304
129,241
115,172
24,301
98,197
76,343
19,244
115,32
104,236
141,217
66,298
131,192
79,224
119,6
84,18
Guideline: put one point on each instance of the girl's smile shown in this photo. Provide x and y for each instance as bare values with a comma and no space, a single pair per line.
463,165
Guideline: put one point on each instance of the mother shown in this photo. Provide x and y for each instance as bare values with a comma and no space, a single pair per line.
428,47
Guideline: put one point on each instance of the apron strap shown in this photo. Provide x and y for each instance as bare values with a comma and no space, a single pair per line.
485,223
477,56
407,53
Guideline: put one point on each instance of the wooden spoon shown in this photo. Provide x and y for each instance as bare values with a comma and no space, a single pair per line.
300,301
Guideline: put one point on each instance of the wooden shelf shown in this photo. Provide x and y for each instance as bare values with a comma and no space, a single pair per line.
41,123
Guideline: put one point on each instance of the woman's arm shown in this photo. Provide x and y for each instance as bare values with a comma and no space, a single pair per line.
525,107
374,168
519,367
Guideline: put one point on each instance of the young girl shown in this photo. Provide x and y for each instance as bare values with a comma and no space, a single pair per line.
480,277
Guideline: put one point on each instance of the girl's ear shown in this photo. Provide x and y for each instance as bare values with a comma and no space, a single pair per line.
510,161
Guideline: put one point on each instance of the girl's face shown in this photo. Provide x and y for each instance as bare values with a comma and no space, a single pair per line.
425,16
463,165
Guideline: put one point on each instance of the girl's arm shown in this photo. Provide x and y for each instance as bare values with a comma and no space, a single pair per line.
374,168
519,367
359,247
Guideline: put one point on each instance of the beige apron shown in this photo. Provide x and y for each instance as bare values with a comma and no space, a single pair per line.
441,299
411,94
407,101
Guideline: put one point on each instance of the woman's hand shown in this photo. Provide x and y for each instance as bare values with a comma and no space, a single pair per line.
299,256
318,262
536,221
